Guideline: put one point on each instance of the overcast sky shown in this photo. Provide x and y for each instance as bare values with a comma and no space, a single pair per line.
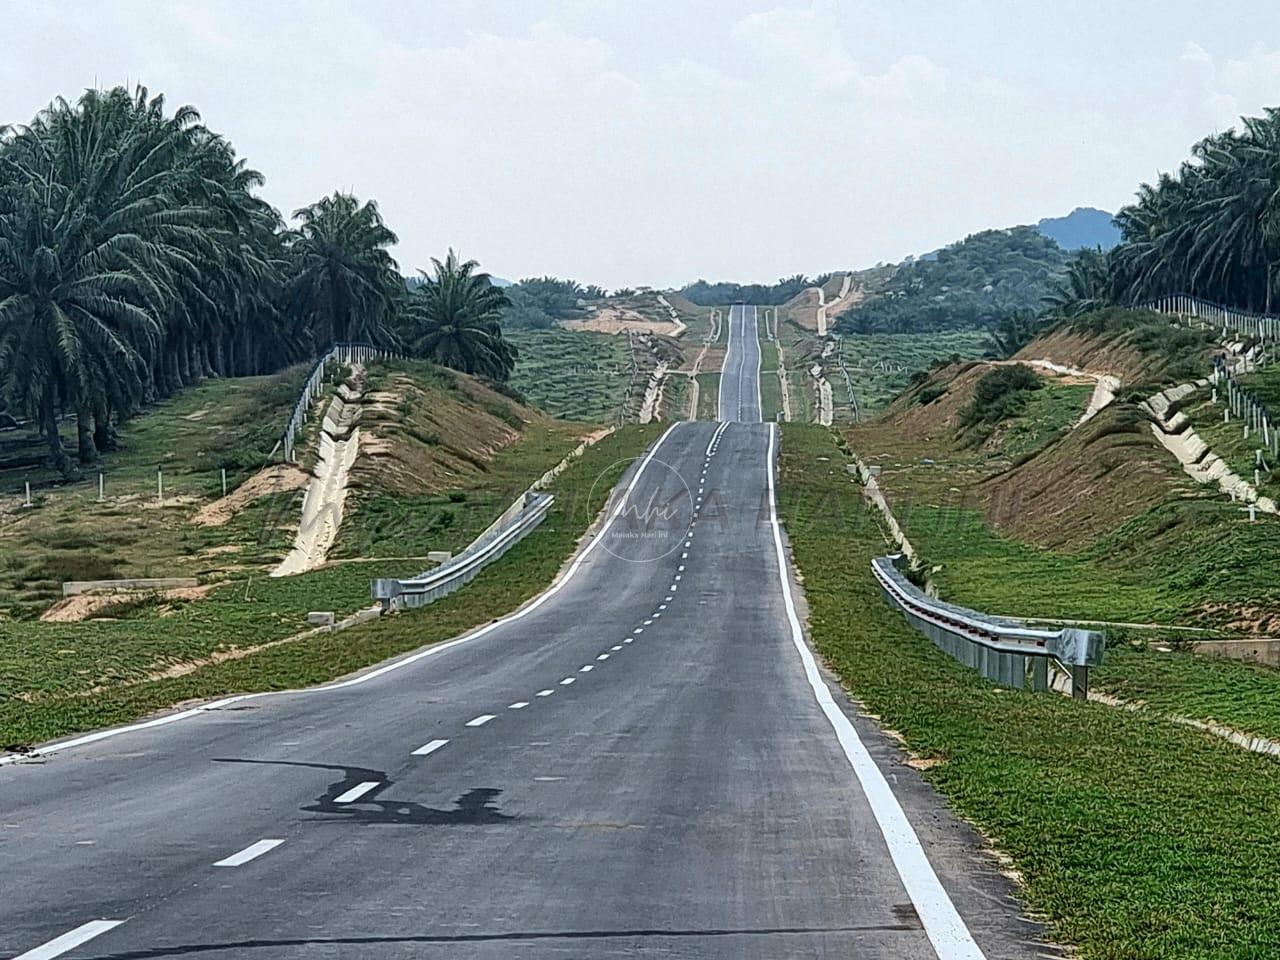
659,141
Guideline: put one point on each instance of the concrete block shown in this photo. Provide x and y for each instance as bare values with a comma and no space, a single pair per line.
320,618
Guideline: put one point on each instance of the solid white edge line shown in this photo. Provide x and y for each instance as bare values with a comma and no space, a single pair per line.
251,852
358,791
69,940
943,924
429,748
551,591
481,720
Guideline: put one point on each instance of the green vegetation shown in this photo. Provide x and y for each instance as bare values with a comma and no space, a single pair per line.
156,656
452,316
70,536
708,396
718,294
572,374
975,283
882,365
1178,353
1000,394
1133,836
139,261
1047,414
538,302
770,386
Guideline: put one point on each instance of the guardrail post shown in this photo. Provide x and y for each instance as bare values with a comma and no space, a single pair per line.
1039,674
1079,682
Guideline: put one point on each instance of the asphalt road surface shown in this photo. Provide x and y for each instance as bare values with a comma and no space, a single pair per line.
644,762
740,373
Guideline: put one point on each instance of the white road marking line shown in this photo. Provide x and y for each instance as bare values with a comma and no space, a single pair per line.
628,640
657,615
680,569
616,647
638,630
586,668
663,606
356,792
685,555
548,779
689,542
251,852
677,579
481,720
400,664
674,587
69,940
942,923
603,656
566,681
648,623
430,747
545,693
518,705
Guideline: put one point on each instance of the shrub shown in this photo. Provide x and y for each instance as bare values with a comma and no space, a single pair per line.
1001,393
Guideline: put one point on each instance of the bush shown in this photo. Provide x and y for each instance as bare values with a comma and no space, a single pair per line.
1001,393
930,394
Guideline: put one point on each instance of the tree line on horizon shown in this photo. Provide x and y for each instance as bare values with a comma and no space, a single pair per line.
136,258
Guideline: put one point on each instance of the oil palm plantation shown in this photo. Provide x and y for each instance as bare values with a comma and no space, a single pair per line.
452,317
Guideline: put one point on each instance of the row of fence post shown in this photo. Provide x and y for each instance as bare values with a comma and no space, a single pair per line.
1262,326
1244,405
342,353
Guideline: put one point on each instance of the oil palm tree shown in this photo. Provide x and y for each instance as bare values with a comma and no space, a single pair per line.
452,317
345,284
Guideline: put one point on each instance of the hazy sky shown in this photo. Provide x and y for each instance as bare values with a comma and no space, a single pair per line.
655,141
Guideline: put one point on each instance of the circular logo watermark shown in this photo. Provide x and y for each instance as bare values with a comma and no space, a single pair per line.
654,516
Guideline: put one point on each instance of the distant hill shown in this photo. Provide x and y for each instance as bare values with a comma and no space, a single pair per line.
1082,227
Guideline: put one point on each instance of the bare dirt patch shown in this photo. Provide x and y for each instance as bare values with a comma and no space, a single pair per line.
274,479
620,320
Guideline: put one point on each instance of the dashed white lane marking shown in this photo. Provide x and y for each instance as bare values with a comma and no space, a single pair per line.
689,542
627,640
545,693
603,656
663,606
677,578
685,555
481,720
430,747
668,599
942,923
567,680
616,647
657,614
69,940
586,668
680,569
638,630
356,792
648,623
251,852
674,587
518,705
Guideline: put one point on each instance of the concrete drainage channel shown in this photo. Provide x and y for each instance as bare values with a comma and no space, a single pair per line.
1003,650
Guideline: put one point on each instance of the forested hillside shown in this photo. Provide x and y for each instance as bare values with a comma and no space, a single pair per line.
978,282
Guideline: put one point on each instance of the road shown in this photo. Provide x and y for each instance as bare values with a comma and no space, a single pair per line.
645,761
740,373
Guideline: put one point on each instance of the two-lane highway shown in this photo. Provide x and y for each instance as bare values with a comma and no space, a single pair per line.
646,761
740,374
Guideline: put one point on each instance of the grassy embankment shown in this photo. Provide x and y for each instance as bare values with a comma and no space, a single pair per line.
1039,521
1135,837
56,679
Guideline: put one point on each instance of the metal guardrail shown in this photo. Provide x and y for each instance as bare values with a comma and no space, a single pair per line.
1004,650
430,586
1261,325
343,353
